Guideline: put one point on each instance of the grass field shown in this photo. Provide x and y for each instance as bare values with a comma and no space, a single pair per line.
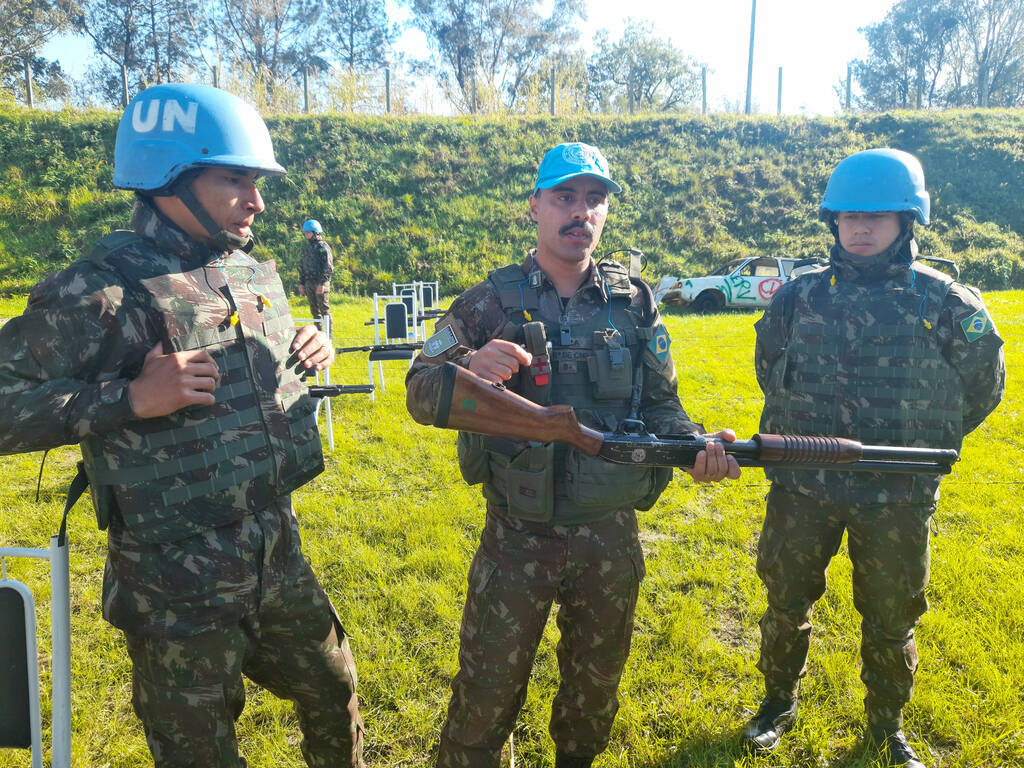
390,529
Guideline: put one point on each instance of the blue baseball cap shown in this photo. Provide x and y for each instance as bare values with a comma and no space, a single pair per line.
567,161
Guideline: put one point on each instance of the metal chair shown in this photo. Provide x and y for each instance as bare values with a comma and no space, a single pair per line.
20,720
399,327
323,403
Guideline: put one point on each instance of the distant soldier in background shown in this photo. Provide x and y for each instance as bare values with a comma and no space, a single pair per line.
315,269
560,525
882,349
169,354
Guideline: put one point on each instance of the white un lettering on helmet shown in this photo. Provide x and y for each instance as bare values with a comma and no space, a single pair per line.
172,113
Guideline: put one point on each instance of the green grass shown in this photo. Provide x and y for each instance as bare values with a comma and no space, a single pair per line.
390,529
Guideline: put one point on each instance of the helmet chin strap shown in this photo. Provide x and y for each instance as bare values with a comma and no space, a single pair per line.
221,239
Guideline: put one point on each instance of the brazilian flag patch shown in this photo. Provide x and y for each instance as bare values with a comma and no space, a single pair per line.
660,343
977,325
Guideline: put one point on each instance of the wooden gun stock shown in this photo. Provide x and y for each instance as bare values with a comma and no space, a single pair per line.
471,404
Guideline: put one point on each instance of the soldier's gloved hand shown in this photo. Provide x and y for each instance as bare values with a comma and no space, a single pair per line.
321,289
302,290
498,359
312,349
713,464
168,383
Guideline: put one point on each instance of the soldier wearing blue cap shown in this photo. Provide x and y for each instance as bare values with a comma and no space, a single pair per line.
170,356
560,526
880,348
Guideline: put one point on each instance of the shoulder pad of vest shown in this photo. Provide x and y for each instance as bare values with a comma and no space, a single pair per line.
935,285
616,276
110,243
923,270
511,274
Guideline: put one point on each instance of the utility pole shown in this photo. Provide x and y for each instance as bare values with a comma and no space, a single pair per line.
28,84
778,107
849,82
552,90
305,89
750,58
704,89
387,90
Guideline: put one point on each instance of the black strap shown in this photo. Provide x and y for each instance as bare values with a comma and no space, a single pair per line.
75,491
444,399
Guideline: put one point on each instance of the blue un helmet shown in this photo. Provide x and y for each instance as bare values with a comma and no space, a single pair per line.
312,225
168,130
877,180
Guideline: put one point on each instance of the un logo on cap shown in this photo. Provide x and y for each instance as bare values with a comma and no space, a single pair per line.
577,154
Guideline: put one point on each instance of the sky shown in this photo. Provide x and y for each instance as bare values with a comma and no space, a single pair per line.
812,40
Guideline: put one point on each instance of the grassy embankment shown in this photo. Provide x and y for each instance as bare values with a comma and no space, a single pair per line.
402,197
390,529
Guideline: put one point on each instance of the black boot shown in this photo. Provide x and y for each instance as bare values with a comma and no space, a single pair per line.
895,749
774,717
572,761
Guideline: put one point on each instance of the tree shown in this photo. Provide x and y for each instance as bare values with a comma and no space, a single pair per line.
640,72
358,32
269,38
27,24
116,34
992,32
485,50
908,51
944,53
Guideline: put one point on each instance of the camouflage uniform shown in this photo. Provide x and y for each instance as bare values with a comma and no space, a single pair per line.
204,573
586,556
315,269
887,355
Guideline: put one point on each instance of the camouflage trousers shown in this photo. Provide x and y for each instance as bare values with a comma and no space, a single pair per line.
520,569
276,626
319,303
888,545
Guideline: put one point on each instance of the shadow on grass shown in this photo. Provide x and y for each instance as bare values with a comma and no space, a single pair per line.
729,752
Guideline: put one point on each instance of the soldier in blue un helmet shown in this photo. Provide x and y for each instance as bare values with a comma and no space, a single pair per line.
170,356
880,348
315,269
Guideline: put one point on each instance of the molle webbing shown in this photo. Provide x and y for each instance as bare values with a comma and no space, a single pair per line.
205,466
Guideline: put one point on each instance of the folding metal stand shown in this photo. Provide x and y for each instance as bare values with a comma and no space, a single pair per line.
20,720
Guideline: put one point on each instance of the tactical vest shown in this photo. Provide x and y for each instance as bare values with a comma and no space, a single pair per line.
206,466
593,366
864,362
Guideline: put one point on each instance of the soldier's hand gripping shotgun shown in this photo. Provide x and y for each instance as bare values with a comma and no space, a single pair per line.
471,404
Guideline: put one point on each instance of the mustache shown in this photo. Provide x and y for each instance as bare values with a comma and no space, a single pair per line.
584,225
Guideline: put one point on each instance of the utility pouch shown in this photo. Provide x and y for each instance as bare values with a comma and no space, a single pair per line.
530,483
662,477
594,482
610,367
473,462
104,503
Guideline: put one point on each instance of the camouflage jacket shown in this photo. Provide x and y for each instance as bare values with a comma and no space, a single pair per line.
856,326
69,358
317,262
477,316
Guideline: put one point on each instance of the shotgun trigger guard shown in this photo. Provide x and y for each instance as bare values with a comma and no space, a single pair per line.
631,427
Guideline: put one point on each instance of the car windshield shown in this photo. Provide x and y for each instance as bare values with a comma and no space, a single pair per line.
725,270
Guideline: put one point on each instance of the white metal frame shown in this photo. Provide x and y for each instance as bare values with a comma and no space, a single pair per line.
324,403
417,288
60,618
412,332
